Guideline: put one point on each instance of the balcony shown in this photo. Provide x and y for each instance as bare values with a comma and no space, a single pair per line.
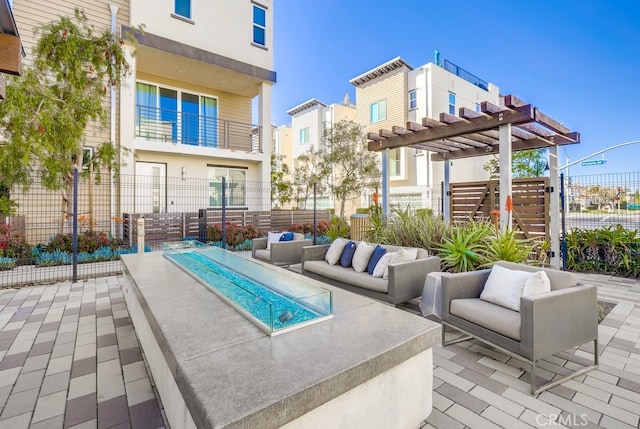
162,125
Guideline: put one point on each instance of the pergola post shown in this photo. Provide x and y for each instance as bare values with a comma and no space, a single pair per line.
506,175
385,183
554,206
446,196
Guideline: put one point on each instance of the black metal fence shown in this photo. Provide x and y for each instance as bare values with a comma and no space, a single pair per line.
603,200
35,242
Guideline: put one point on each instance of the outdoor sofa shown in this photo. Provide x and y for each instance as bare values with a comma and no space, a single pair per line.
271,249
404,282
547,323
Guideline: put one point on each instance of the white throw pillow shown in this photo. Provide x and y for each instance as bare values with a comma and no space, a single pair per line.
361,257
504,287
538,283
382,264
402,255
273,237
335,251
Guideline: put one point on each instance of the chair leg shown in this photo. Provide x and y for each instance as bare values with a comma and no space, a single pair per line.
461,338
536,390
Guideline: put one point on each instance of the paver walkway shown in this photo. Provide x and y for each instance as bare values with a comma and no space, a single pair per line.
69,358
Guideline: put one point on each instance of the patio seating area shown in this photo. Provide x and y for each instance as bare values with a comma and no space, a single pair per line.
70,358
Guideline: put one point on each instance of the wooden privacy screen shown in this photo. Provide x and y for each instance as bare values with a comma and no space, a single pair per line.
530,204
161,227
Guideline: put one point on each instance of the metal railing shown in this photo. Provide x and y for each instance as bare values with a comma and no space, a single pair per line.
171,126
459,71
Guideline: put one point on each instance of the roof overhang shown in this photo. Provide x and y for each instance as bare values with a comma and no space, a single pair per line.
381,70
304,106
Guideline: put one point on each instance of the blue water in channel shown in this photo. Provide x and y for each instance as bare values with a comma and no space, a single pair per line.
259,301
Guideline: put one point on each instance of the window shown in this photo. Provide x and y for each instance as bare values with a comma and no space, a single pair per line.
378,111
304,135
236,186
183,8
452,103
395,162
170,115
413,100
259,25
477,107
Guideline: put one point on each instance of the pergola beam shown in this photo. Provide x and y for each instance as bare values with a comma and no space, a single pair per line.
520,115
532,143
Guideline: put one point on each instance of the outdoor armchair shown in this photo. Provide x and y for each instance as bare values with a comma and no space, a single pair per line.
547,323
280,253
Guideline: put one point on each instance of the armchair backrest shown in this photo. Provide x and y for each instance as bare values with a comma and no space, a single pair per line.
558,279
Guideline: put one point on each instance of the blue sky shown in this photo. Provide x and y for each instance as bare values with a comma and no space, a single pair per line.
578,61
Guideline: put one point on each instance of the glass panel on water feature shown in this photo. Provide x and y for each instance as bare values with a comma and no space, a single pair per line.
274,299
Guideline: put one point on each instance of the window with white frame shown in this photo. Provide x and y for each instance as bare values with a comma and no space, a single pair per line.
236,186
259,25
452,103
304,135
378,111
395,163
183,8
413,100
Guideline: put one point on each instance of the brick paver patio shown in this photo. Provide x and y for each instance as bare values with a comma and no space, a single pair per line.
69,358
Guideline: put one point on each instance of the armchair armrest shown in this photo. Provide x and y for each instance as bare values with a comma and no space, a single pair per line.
288,252
257,244
461,285
556,320
314,253
406,279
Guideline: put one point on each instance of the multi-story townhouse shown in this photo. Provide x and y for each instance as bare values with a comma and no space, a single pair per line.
309,120
202,70
10,46
394,93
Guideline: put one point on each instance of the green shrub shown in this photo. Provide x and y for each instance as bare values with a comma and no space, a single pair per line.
338,227
13,245
7,263
236,235
608,250
88,241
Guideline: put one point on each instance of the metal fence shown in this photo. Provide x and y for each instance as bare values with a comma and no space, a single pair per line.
174,207
603,200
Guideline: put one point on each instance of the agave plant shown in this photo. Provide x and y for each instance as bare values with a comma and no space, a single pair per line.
463,249
507,246
338,227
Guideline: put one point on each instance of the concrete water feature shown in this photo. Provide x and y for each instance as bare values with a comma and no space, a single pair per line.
275,300
370,366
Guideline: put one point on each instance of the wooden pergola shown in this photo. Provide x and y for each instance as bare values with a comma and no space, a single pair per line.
494,130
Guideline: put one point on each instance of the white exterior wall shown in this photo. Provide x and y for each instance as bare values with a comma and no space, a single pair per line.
220,26
311,118
433,84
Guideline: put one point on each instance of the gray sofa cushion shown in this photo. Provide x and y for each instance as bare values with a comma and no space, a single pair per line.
347,275
491,316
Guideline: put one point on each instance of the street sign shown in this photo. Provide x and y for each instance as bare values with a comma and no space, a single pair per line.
595,162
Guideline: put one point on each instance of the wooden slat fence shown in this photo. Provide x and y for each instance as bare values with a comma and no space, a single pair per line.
530,201
161,227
